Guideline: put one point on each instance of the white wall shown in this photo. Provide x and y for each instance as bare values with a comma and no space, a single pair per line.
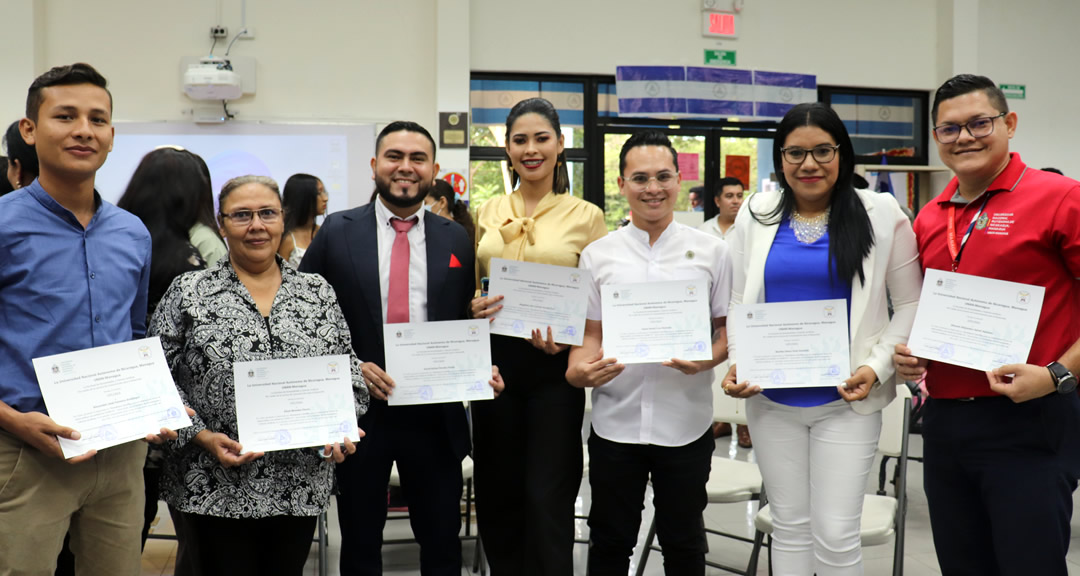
877,43
1035,43
338,60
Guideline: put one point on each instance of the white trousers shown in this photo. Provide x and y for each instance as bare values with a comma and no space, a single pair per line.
815,462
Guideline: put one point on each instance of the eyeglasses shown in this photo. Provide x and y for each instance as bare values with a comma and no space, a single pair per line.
243,217
822,154
664,180
980,127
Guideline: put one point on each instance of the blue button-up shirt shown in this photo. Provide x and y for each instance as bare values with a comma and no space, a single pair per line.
63,287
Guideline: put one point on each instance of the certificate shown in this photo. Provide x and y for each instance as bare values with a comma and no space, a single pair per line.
110,394
657,321
294,403
793,344
974,322
433,362
538,296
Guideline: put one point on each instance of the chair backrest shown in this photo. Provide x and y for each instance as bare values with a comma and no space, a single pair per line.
891,442
726,408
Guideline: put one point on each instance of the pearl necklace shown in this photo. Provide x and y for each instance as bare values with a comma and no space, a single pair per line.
809,230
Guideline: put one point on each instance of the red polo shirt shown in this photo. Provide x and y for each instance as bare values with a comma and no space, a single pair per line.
1029,233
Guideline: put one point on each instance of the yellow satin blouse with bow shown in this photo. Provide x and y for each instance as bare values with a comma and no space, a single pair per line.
560,227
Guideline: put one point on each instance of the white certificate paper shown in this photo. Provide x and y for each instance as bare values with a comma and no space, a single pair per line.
657,321
434,362
294,403
110,394
974,322
793,344
537,296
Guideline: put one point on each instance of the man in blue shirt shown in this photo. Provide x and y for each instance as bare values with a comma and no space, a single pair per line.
74,272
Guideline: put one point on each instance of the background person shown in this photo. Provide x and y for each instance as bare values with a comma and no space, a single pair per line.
442,201
22,161
204,234
304,199
246,512
816,239
528,440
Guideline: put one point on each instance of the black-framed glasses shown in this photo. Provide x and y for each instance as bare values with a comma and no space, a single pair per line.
823,154
980,127
243,217
664,180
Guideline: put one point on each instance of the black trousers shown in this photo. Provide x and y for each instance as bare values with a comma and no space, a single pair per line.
999,479
415,437
618,474
244,546
528,454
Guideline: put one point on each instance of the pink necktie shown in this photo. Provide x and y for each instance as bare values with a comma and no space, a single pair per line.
397,294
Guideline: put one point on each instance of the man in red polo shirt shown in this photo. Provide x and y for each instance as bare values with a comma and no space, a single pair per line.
1002,453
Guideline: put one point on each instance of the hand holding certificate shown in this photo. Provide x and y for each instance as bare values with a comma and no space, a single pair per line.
793,344
433,362
537,296
110,394
657,321
294,403
974,322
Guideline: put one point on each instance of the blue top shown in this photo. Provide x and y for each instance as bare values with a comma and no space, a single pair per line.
65,288
796,272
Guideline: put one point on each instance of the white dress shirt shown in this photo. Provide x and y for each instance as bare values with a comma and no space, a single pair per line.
712,226
417,260
651,403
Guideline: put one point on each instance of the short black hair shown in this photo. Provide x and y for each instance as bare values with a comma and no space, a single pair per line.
729,181
70,75
696,189
965,84
18,149
405,126
1054,170
647,138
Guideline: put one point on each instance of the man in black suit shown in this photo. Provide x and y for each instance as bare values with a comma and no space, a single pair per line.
390,261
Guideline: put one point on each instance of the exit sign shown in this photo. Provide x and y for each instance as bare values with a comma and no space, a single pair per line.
720,24
1014,91
720,57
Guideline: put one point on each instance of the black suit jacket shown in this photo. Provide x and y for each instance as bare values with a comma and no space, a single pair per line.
346,253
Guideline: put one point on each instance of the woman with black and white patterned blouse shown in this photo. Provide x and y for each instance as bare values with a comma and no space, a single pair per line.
246,513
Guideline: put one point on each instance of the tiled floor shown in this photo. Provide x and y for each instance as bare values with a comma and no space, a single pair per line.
919,559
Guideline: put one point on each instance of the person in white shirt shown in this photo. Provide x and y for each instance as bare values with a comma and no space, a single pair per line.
728,202
650,420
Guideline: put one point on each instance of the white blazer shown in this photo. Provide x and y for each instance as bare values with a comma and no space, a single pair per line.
893,263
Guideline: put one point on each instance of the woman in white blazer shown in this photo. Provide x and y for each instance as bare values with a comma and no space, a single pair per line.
817,239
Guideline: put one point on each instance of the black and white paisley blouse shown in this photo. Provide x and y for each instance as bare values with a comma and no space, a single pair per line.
206,321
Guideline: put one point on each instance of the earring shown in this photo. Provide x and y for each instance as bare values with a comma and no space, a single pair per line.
18,184
558,163
510,167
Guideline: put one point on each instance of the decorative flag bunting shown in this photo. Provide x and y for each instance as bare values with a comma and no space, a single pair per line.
719,91
651,90
491,100
777,92
867,116
676,91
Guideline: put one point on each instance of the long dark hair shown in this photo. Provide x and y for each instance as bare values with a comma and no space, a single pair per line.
163,194
561,181
18,149
300,200
850,233
459,211
205,196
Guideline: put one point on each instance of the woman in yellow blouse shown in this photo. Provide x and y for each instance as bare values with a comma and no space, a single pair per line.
527,442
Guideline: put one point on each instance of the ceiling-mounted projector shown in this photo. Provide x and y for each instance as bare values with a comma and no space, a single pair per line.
212,78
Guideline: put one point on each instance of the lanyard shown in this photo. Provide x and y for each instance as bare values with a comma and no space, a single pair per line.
954,251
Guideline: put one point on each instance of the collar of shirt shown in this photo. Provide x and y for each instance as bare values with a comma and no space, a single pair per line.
383,215
1005,182
38,193
643,236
